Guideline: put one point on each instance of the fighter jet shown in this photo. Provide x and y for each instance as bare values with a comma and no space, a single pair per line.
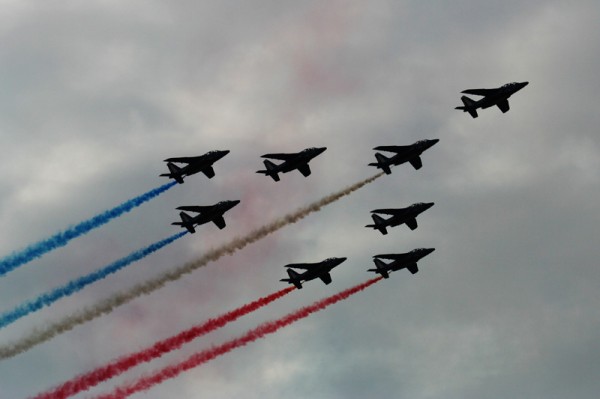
401,215
202,163
290,162
211,213
400,261
313,270
404,153
498,96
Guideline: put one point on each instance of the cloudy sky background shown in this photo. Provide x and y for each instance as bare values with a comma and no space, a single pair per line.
94,95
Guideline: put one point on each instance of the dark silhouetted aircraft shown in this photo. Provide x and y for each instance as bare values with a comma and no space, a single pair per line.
399,216
313,270
298,160
211,213
491,97
404,153
400,261
202,163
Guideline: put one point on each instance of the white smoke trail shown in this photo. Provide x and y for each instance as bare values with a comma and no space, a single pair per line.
39,336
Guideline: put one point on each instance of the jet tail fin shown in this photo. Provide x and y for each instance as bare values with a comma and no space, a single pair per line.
379,225
270,170
175,172
380,268
469,106
382,163
294,278
186,221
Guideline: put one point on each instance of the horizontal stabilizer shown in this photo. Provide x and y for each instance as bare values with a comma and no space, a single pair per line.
380,268
174,173
470,106
271,170
294,278
382,163
186,221
379,224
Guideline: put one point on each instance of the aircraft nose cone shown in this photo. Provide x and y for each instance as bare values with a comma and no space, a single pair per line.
322,149
429,205
231,204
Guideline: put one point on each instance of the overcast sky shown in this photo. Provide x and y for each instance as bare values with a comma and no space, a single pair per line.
94,95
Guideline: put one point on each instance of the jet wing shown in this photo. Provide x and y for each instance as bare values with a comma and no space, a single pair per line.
219,221
390,256
412,268
279,156
209,172
392,148
480,92
412,223
388,211
503,105
416,162
183,159
197,209
304,169
305,266
326,278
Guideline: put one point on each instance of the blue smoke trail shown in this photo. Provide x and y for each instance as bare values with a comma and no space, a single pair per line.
61,239
78,284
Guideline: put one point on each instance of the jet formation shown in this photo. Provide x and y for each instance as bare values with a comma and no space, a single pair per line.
498,96
291,161
403,153
202,163
399,216
406,260
313,270
210,213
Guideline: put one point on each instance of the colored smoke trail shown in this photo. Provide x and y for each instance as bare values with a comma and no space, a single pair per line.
119,366
61,239
148,381
78,284
108,305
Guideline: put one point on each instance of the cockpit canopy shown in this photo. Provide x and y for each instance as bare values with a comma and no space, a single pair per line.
422,143
511,84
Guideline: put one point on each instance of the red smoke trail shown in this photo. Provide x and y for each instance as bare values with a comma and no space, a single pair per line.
92,378
199,358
